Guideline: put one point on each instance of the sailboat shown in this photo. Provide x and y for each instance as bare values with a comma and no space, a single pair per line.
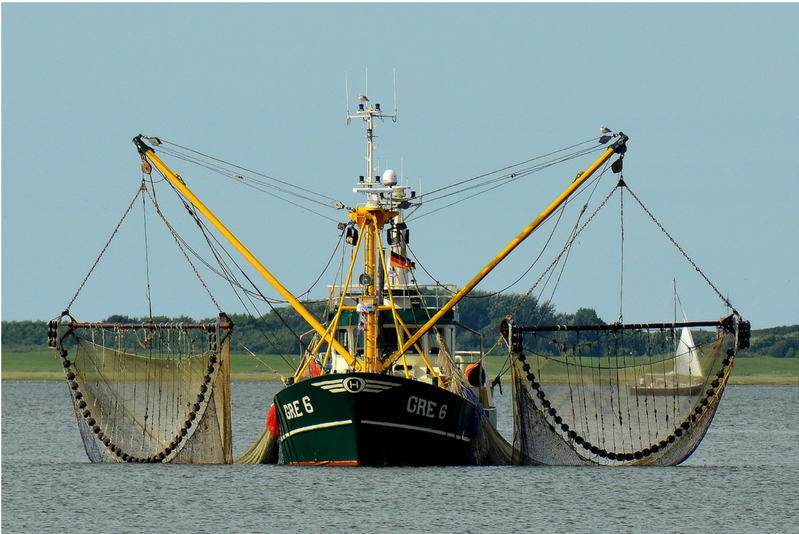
686,378
382,382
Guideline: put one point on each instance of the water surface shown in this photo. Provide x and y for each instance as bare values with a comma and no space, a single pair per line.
743,478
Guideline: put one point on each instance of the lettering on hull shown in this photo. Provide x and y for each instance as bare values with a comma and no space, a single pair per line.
426,408
293,410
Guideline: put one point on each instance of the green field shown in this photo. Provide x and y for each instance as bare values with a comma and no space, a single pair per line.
45,365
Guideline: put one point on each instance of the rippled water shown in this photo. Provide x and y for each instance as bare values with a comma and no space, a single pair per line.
743,478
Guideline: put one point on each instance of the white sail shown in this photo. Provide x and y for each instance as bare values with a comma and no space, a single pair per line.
686,361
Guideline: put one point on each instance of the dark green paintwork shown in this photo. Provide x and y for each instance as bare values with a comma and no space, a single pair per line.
389,421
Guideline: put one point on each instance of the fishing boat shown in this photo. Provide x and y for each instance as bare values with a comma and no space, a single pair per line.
381,381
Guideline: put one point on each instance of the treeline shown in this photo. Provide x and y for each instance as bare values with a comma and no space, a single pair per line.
777,342
483,312
278,331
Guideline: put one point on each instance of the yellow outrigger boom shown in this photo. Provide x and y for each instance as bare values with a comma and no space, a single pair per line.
619,147
147,152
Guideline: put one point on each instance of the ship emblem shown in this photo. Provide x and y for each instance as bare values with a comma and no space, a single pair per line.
355,384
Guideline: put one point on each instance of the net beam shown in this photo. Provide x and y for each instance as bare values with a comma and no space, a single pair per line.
618,394
149,392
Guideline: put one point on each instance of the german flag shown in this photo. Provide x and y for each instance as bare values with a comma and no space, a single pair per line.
398,260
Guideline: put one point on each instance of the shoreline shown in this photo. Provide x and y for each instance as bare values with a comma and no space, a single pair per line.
261,376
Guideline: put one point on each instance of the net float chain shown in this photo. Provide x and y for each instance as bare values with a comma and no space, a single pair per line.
627,456
111,446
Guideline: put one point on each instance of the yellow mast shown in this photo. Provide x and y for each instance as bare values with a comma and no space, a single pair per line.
371,217
619,147
148,153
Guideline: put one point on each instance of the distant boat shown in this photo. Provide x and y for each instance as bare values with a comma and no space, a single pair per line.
685,379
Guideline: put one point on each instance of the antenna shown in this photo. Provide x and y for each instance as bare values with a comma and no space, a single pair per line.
394,117
367,112
347,95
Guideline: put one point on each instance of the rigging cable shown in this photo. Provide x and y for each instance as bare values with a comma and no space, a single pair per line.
178,241
621,248
231,279
146,255
498,181
116,229
567,248
242,179
722,297
503,169
594,181
249,170
239,285
259,185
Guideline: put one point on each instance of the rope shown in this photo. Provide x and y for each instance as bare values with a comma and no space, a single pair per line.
226,273
130,206
462,182
327,266
722,297
178,242
535,261
258,185
499,181
244,169
621,248
565,249
146,256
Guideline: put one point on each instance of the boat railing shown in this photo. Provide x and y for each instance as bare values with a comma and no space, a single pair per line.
422,296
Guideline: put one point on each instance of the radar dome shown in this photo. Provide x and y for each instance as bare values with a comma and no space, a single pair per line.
389,178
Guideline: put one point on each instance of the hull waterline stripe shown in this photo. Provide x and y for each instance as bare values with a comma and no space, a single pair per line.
316,427
419,428
376,423
331,463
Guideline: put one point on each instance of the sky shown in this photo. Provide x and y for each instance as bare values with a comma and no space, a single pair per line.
707,93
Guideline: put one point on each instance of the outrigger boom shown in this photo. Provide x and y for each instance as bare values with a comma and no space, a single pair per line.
147,152
619,147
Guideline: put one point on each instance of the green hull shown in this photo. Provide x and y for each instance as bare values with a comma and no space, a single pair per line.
373,419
